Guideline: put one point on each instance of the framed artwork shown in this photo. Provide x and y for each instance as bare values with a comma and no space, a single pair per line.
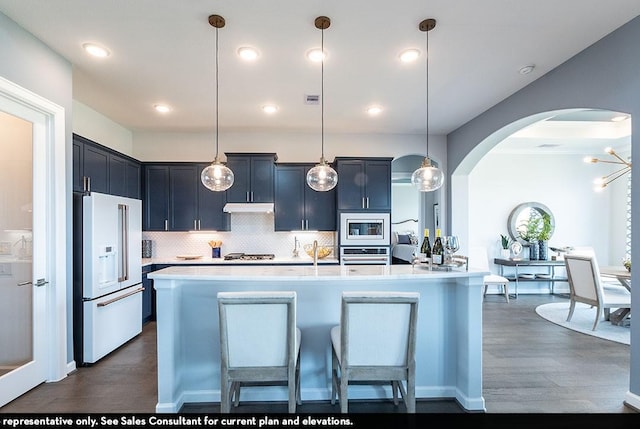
436,216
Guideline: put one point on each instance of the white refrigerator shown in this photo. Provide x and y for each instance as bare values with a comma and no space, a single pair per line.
111,273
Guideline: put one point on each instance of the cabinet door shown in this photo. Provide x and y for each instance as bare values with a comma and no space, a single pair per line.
320,207
241,167
210,205
117,175
132,179
183,198
262,171
147,296
289,204
156,198
378,185
78,165
96,168
351,184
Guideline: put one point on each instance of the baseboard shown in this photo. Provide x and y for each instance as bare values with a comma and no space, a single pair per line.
632,400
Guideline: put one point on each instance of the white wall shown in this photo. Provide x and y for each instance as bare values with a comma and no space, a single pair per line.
564,183
93,125
290,147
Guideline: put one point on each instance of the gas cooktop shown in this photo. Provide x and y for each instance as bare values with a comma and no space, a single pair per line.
248,256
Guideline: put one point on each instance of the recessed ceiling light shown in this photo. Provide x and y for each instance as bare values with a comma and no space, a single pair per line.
527,69
409,55
162,108
270,108
316,55
96,50
619,118
374,110
248,53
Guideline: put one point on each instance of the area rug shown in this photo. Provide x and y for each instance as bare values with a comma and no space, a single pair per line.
582,321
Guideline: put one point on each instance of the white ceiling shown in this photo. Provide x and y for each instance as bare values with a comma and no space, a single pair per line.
162,51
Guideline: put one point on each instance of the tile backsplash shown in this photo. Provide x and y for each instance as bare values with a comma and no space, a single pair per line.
250,233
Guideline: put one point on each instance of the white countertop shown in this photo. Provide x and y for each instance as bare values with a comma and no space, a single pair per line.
206,260
305,272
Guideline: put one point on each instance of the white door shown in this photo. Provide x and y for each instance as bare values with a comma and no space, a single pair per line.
25,253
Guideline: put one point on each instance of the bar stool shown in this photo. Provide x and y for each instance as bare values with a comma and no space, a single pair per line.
375,342
259,344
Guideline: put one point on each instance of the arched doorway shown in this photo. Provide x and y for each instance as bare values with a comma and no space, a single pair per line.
491,181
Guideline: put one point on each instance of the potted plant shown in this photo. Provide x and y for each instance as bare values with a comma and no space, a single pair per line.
504,242
543,236
529,232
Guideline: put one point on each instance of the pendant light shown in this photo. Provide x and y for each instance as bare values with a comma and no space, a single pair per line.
427,178
322,177
217,176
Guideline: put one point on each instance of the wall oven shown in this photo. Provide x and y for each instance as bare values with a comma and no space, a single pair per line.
365,229
365,256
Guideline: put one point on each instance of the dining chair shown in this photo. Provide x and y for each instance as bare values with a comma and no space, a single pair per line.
478,259
585,287
259,344
375,343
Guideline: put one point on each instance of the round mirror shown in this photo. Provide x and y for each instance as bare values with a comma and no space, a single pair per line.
531,222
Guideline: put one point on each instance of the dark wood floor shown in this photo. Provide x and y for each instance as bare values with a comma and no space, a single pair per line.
529,366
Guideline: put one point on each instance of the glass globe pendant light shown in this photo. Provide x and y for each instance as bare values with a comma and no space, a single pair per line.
217,176
322,177
428,177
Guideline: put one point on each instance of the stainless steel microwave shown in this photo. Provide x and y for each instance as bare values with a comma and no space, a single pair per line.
365,229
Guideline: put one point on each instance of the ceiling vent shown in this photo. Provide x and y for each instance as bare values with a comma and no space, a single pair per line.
312,99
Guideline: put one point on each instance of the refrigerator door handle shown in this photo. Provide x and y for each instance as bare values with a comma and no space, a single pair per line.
124,240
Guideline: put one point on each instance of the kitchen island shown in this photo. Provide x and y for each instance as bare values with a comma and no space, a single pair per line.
449,337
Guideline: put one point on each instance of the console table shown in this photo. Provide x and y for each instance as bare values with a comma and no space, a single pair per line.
517,264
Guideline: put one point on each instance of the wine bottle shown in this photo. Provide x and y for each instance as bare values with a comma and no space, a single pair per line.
437,253
426,245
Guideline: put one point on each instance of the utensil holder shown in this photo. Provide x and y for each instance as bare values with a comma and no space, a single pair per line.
215,252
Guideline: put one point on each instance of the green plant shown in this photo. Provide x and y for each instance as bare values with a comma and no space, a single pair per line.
545,230
504,241
530,230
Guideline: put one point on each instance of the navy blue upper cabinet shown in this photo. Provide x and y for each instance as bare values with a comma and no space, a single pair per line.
100,169
78,165
96,168
176,200
364,183
253,177
297,206
183,198
210,205
155,206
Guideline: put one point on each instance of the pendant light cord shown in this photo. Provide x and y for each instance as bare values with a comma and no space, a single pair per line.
322,93
427,92
216,66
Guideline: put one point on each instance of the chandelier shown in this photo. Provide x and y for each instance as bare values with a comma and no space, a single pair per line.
602,182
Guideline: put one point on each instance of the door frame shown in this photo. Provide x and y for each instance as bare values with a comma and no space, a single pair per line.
54,162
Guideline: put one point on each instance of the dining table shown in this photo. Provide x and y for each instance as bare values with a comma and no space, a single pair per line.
622,315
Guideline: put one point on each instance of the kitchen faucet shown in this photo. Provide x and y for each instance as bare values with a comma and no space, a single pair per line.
315,253
296,245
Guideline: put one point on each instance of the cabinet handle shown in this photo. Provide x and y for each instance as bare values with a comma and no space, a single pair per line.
251,196
363,206
247,198
86,184
367,202
166,225
195,224
306,224
302,224
198,224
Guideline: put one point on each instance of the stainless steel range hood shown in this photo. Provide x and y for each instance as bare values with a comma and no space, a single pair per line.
248,208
